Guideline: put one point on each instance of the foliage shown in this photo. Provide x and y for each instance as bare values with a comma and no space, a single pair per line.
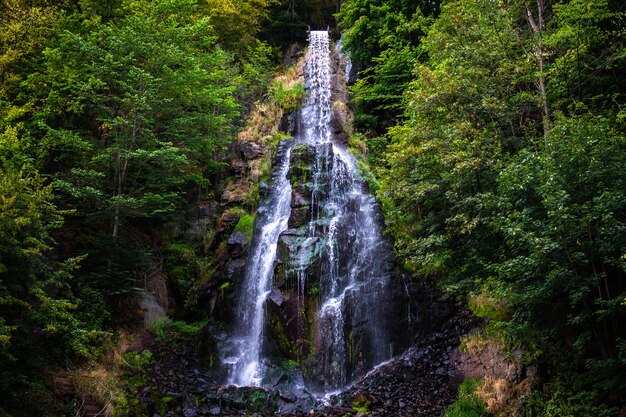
137,366
468,404
382,37
115,116
237,22
566,396
361,404
40,317
168,332
287,98
503,182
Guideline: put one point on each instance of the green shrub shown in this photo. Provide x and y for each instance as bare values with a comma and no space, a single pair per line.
565,398
361,404
137,365
467,404
287,98
173,333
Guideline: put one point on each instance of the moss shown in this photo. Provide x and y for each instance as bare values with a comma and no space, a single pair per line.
245,225
284,345
166,404
223,287
367,174
361,404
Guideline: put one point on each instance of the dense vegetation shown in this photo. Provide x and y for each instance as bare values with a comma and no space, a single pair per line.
496,129
113,117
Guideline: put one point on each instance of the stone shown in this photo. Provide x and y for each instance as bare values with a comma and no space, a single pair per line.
235,268
288,396
228,218
301,194
292,55
276,297
235,192
264,189
299,216
240,167
338,119
189,412
302,158
237,244
341,137
250,150
286,408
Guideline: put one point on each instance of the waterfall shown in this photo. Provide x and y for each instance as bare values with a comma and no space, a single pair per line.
317,241
272,219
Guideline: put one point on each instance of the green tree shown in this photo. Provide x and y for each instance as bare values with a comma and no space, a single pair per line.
134,109
131,114
382,38
40,321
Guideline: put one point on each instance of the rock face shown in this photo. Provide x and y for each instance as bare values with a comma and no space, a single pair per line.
342,117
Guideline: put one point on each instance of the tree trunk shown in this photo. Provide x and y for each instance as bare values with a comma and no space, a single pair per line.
537,27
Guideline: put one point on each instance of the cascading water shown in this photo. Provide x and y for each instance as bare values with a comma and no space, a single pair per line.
272,220
317,248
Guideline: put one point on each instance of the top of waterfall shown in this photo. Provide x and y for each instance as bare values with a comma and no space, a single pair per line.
319,34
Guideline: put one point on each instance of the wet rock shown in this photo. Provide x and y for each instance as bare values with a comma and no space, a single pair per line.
391,393
286,408
341,137
338,119
189,412
301,194
237,244
288,396
264,189
302,159
301,253
235,268
289,124
276,297
299,216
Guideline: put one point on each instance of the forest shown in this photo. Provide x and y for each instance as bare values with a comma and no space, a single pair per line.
491,132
